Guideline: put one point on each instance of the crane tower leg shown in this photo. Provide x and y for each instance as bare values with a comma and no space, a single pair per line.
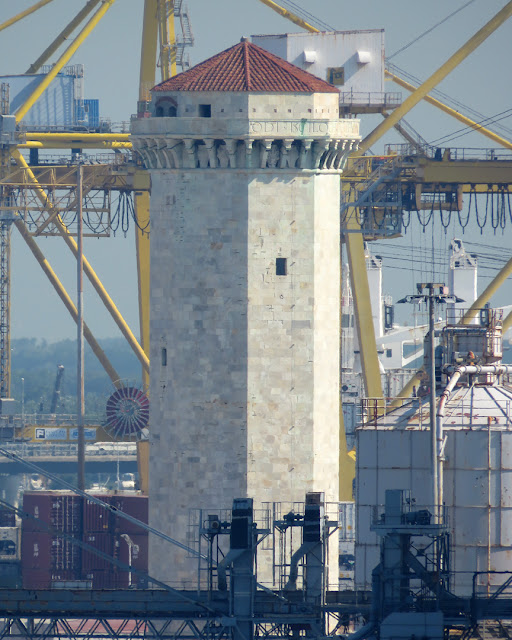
5,308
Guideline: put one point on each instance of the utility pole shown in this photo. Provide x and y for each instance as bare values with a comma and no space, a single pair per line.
80,334
432,293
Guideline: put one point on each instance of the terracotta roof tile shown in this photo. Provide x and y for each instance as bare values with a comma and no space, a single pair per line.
246,67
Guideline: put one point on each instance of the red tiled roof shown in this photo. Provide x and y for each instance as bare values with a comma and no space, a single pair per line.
246,67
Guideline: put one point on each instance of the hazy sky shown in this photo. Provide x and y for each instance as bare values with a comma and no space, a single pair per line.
111,59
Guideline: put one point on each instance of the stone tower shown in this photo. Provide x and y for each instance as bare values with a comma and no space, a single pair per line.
245,152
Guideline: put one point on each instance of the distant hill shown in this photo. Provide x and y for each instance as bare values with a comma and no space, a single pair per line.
36,361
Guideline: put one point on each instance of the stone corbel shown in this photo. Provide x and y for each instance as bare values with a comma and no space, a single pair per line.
331,155
248,152
305,147
140,148
266,145
212,153
161,159
342,154
152,149
319,148
285,149
231,149
174,150
190,158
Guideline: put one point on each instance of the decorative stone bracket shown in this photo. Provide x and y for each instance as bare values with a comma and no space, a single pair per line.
162,152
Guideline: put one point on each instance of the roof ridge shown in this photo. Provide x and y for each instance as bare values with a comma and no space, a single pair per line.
246,67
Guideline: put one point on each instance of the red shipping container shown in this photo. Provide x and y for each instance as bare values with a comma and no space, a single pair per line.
100,579
97,518
58,509
35,551
42,551
133,505
103,542
40,579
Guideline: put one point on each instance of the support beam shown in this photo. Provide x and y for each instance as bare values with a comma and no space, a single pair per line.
507,323
62,37
36,144
76,139
439,75
63,60
452,112
66,299
490,290
89,271
167,38
24,14
148,49
290,16
362,304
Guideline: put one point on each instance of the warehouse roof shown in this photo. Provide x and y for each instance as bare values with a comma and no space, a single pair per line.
246,67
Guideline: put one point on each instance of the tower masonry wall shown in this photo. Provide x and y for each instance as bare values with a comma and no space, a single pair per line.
248,105
245,401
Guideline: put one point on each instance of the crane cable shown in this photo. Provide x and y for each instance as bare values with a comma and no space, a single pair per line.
438,24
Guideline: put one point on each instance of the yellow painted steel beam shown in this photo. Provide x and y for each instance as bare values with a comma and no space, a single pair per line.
74,139
408,389
362,304
490,290
452,112
141,202
466,172
66,299
507,323
424,89
167,36
62,37
148,49
48,144
89,271
24,14
290,16
63,60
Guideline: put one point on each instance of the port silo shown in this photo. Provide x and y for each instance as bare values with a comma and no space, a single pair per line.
474,433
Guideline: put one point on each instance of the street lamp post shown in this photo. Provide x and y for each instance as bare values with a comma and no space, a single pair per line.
433,293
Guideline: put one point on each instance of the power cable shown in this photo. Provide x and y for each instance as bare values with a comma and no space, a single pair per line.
306,15
465,130
456,104
438,24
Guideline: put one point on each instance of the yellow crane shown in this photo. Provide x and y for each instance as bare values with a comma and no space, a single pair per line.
160,48
353,236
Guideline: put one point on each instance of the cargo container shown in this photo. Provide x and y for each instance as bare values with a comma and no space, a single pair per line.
133,505
7,517
96,518
10,575
9,544
46,552
58,509
43,579
101,579
103,542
